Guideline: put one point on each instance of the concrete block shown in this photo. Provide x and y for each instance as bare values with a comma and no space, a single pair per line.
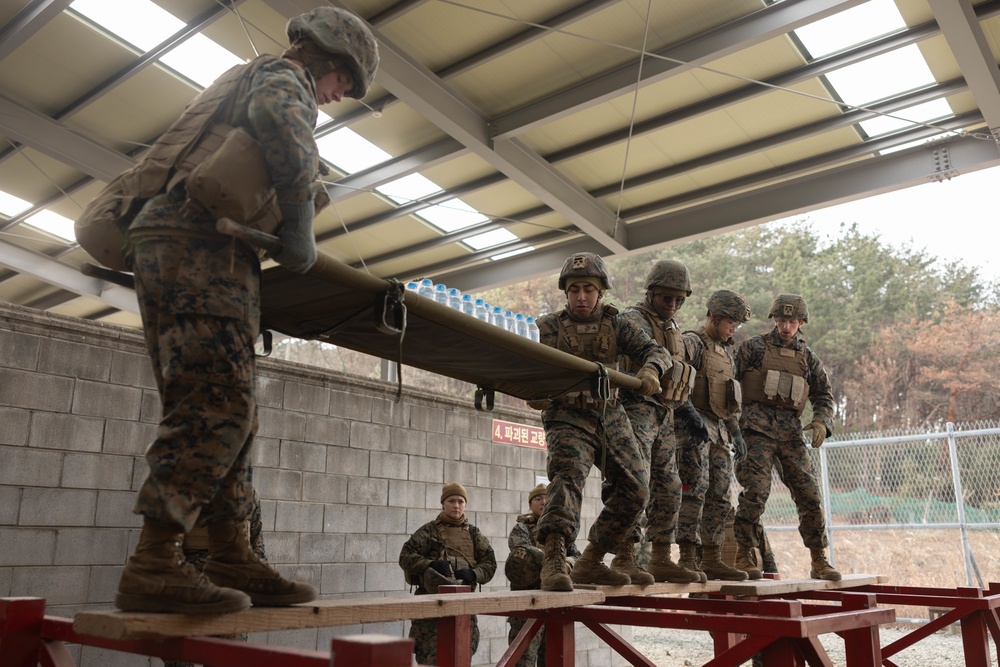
491,476
27,546
20,389
19,350
394,545
302,456
91,546
356,407
347,461
520,478
10,505
301,639
103,584
94,471
328,431
444,446
459,471
323,488
385,520
282,547
311,574
505,455
269,391
416,518
299,517
368,491
364,549
58,507
150,410
407,494
14,426
405,441
493,525
321,548
282,424
114,510
61,357
91,656
387,465
6,577
278,484
99,399
425,418
384,577
533,459
58,585
266,452
345,518
306,398
510,502
390,412
268,508
343,578
128,437
463,424
476,451
373,437
140,470
132,370
28,467
423,469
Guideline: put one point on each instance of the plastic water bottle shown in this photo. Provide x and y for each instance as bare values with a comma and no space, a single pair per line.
497,318
441,294
468,305
508,320
480,311
455,298
532,328
426,288
520,325
411,286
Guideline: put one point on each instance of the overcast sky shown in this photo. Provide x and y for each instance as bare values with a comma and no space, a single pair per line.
954,219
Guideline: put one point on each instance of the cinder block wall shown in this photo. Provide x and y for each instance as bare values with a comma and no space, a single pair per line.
344,472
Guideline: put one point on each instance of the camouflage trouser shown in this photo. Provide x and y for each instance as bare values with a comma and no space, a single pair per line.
534,655
755,475
653,426
423,632
573,451
706,471
200,306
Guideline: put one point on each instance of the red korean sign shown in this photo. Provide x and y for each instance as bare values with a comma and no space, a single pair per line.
511,433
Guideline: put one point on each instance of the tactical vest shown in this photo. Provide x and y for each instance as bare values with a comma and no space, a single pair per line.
593,341
780,380
460,549
715,387
676,384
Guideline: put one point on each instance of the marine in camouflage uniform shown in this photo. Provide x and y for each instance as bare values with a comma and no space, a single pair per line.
524,570
706,465
779,373
582,430
667,285
199,297
448,544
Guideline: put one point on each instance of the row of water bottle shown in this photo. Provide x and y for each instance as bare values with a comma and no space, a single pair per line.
495,315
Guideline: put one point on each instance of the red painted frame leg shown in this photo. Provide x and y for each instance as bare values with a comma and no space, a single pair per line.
862,648
560,643
620,646
520,643
21,631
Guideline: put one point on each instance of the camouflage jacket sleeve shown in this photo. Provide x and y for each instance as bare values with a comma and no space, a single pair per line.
418,552
640,346
281,113
548,330
820,391
521,536
486,560
694,347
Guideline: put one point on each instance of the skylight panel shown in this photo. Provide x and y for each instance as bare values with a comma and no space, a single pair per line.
11,205
512,253
489,239
452,215
200,59
53,223
408,188
349,151
904,118
878,78
851,27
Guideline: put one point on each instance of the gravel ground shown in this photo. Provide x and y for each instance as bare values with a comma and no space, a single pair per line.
681,648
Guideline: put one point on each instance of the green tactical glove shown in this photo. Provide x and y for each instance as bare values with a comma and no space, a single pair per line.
650,379
819,433
739,447
298,245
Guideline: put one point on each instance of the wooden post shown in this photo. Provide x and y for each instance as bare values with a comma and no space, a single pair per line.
371,651
21,631
454,635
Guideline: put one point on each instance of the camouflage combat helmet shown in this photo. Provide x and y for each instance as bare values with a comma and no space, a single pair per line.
727,303
671,274
340,33
584,265
789,305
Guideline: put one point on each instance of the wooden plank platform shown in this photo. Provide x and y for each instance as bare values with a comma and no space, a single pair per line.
756,588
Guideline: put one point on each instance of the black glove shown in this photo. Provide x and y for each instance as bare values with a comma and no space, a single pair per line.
466,576
691,421
443,567
739,447
298,245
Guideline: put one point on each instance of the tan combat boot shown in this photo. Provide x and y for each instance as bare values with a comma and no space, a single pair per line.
590,569
714,568
157,578
746,560
664,569
624,562
232,563
689,561
820,567
554,568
